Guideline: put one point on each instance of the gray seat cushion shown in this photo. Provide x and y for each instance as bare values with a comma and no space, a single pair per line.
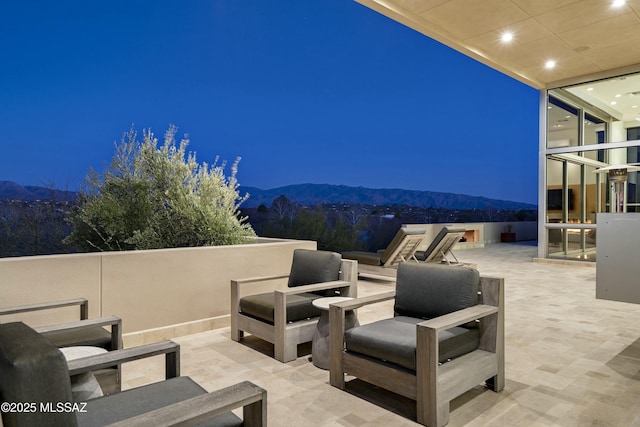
394,340
95,336
120,406
261,306
308,267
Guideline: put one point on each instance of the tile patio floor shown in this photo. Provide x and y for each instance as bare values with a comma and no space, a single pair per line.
571,360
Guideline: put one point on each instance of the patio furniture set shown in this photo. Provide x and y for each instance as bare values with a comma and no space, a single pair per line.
444,337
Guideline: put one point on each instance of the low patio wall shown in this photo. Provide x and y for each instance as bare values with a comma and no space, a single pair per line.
483,232
164,292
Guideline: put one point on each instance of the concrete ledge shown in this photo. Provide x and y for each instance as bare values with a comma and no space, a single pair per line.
174,331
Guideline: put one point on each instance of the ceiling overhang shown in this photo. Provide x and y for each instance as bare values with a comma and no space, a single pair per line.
587,39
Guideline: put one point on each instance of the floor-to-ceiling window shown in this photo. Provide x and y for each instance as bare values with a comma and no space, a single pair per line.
589,126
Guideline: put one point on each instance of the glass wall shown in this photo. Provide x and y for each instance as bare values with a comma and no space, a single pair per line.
589,126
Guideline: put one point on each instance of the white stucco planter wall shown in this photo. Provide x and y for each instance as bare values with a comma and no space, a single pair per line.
158,290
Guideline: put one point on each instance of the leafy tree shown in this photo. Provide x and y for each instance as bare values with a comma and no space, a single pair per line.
158,197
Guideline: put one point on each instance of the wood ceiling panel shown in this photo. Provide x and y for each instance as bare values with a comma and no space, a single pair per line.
570,66
605,33
466,19
526,31
634,5
583,36
537,7
418,6
579,14
537,52
620,55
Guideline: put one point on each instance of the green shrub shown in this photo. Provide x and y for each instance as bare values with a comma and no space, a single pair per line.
158,197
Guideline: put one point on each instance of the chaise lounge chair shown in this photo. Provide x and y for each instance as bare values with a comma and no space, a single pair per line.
441,246
402,248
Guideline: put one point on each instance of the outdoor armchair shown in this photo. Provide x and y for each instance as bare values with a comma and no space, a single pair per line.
77,333
103,332
34,377
444,338
286,316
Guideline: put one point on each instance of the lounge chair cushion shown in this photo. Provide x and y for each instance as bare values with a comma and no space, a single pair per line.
369,258
450,289
261,306
394,340
120,406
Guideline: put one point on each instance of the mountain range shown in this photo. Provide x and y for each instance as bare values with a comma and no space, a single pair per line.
313,194
309,195
11,191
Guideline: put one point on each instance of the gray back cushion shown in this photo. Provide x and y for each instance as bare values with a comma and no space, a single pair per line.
310,267
426,291
33,370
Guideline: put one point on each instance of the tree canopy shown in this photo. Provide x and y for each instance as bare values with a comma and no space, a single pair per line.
158,197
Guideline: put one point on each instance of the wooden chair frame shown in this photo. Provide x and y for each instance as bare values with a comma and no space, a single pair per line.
246,395
285,336
432,386
109,382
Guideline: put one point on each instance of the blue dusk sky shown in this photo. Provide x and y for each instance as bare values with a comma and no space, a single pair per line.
326,92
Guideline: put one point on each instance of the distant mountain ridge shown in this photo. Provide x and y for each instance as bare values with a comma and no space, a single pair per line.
309,195
313,194
11,191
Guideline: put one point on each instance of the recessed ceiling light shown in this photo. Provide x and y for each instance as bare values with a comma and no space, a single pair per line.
507,37
550,64
613,102
634,106
589,89
618,3
618,95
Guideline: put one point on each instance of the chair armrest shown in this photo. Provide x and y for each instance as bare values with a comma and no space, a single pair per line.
82,302
113,321
313,287
362,301
259,279
116,357
79,324
238,285
458,318
200,408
